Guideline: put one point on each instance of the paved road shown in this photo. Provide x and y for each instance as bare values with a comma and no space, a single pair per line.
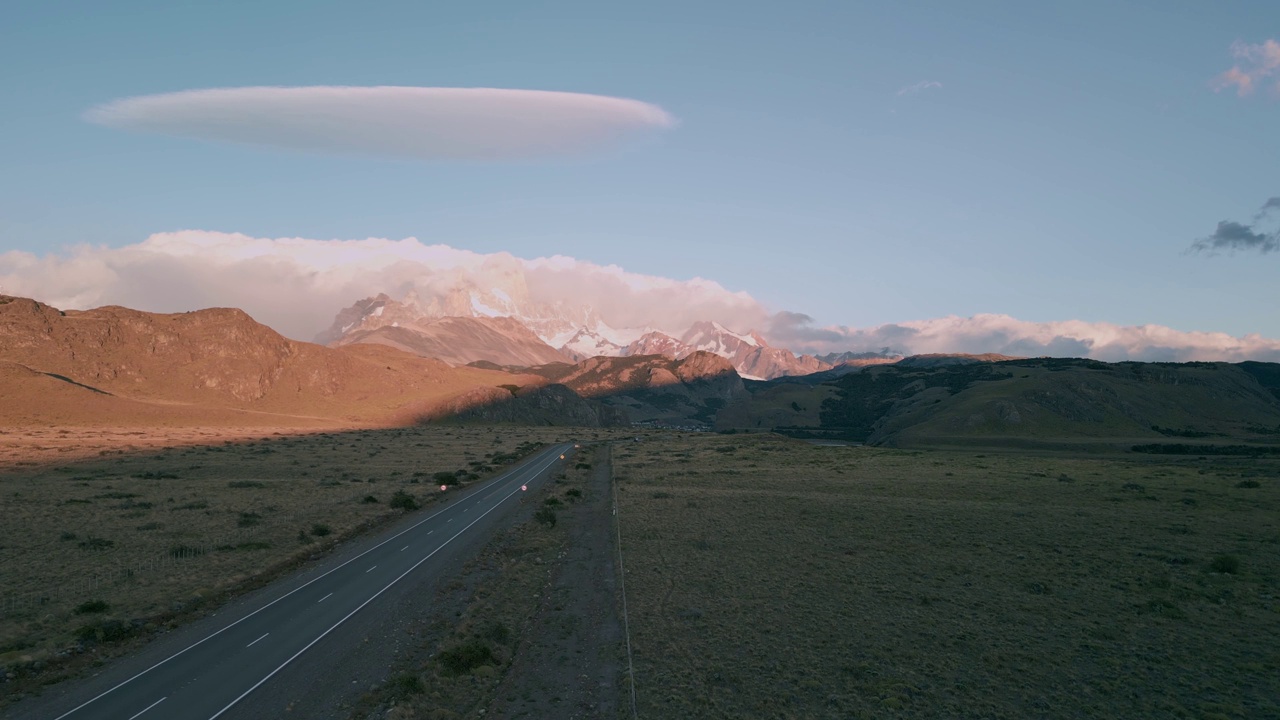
226,664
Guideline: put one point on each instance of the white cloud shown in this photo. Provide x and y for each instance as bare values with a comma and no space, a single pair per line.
990,333
1256,64
297,285
919,87
404,122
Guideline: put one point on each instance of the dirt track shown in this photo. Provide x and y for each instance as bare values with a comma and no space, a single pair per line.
570,664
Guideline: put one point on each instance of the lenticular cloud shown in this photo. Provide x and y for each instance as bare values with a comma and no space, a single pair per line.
425,123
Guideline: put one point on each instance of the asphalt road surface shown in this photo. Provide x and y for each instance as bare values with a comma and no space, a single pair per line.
216,667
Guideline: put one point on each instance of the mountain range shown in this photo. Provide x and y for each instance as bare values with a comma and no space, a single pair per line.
113,366
469,324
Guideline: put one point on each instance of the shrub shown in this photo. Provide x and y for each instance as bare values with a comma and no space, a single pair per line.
444,477
403,500
92,606
248,519
546,516
67,535
1229,564
96,543
369,500
573,493
1248,484
465,657
406,685
551,501
320,529
246,484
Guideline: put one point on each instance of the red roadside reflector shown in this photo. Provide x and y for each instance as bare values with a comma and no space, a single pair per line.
561,457
524,487
443,488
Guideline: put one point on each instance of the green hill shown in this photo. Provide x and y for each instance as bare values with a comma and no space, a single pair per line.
1027,400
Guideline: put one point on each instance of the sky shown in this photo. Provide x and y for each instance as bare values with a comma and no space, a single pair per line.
852,167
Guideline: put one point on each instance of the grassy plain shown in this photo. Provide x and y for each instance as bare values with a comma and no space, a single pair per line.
769,578
109,531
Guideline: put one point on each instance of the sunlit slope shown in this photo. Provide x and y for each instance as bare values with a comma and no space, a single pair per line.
114,365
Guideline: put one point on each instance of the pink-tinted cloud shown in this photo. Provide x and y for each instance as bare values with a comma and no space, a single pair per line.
1255,64
297,286
425,123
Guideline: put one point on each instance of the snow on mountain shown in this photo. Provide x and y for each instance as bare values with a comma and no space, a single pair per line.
657,343
576,331
588,344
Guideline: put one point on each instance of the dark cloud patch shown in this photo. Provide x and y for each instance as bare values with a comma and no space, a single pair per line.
1268,207
1231,236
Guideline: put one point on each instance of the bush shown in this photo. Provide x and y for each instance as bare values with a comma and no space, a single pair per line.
369,500
551,501
248,519
444,478
1229,564
320,529
1248,484
546,516
465,657
403,501
246,484
405,685
92,606
573,493
95,543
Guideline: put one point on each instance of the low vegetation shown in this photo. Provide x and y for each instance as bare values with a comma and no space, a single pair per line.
771,578
134,540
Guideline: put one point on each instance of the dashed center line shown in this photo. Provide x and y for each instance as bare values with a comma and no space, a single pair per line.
326,597
150,706
255,642
406,547
366,572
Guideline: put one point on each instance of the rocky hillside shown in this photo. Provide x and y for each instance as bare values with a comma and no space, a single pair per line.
461,340
114,365
654,388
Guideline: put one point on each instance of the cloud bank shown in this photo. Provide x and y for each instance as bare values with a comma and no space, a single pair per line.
298,285
1255,65
424,123
1231,236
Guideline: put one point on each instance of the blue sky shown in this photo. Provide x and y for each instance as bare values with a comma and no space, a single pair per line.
1060,165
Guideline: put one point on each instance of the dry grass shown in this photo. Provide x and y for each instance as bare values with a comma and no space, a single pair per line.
158,520
771,578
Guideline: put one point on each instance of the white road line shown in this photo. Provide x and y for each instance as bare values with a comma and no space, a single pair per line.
366,572
406,547
255,642
496,481
371,599
326,597
150,706
430,531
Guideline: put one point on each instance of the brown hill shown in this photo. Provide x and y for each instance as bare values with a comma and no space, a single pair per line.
462,340
116,366
654,388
